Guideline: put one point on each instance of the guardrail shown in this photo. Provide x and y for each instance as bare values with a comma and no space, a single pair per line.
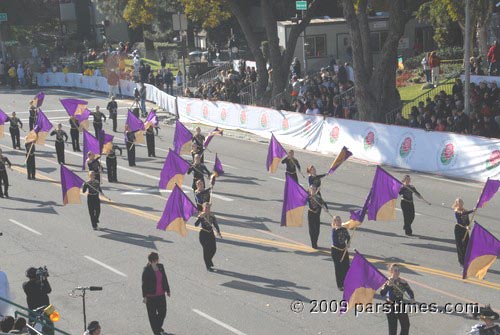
209,75
248,94
446,87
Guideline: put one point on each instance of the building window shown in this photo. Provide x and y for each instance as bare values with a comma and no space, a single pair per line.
377,40
315,46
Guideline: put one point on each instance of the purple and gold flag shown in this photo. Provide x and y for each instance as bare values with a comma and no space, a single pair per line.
358,216
77,108
42,127
361,282
385,191
90,143
3,118
70,185
218,170
343,155
211,135
182,139
294,202
106,142
482,251
151,120
137,126
275,154
173,171
489,190
38,100
177,211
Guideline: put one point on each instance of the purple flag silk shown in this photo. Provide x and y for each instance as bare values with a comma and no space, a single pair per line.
361,282
182,139
77,108
343,155
106,142
38,100
42,127
173,171
90,143
357,217
177,211
218,170
151,120
214,132
134,123
275,154
482,251
3,117
385,191
294,201
489,190
70,185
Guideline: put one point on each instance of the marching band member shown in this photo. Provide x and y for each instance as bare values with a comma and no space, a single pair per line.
292,165
111,164
130,144
201,195
340,254
150,141
488,327
15,124
4,178
75,133
98,116
198,169
93,187
198,144
407,205
461,228
207,237
61,137
316,203
33,112
30,158
314,178
94,165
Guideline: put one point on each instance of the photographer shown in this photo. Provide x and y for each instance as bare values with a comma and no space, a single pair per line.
37,288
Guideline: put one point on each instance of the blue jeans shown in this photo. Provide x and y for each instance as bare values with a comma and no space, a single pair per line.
493,69
143,106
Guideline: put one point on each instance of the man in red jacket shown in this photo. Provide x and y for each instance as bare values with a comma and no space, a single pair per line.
493,56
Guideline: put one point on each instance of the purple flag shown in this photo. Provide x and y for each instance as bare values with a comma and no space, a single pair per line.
78,109
90,143
106,142
294,201
385,191
38,100
218,170
134,123
177,211
3,117
361,282
182,139
490,189
343,155
173,171
70,185
214,132
482,251
42,127
151,120
275,153
358,216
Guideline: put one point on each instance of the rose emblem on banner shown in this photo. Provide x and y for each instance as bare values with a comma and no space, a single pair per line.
370,139
285,124
188,109
243,117
447,154
223,114
405,148
494,160
307,127
263,120
205,111
334,134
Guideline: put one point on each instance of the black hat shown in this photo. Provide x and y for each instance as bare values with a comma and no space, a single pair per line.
487,313
31,272
93,326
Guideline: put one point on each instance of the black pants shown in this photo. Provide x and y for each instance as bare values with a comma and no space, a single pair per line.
60,152
14,135
75,139
150,141
131,153
207,241
94,204
461,243
341,266
31,121
157,310
404,320
408,215
294,176
314,224
111,167
97,128
4,180
113,118
31,167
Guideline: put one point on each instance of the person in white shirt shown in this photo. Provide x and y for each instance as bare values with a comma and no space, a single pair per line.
97,72
350,72
313,109
4,293
426,68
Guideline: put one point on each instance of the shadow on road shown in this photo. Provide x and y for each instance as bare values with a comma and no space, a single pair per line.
132,238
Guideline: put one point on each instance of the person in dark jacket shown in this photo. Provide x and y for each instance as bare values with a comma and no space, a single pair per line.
37,289
154,287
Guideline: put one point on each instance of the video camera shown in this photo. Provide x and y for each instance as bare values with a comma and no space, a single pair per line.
42,273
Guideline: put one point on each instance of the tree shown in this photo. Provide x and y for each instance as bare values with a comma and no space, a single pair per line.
375,84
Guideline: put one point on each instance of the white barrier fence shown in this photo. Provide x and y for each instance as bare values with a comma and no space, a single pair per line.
448,154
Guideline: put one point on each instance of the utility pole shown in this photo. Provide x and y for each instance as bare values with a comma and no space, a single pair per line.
304,48
467,45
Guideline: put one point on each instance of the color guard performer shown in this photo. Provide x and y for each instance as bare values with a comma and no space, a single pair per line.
394,290
201,195
461,228
340,254
130,144
198,169
30,158
199,141
75,133
33,112
15,124
112,107
207,237
4,178
61,137
111,164
407,205
98,116
93,187
94,165
314,178
150,141
488,327
197,150
316,203
292,165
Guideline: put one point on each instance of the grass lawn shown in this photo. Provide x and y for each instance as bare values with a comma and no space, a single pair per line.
411,91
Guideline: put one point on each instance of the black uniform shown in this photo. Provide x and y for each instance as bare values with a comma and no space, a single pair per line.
207,238
32,119
150,141
199,140
61,137
75,134
130,143
200,197
407,207
4,178
37,293
30,159
394,296
95,165
462,234
482,330
340,254
111,164
93,201
98,116
291,167
156,305
15,123
316,180
198,172
316,203
113,112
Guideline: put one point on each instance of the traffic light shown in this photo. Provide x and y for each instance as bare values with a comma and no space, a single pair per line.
51,312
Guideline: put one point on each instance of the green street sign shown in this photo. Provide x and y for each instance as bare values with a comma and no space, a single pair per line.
3,17
301,5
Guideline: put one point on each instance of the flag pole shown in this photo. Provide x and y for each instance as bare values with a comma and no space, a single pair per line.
348,244
29,152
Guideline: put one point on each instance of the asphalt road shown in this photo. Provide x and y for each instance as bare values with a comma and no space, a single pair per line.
261,267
